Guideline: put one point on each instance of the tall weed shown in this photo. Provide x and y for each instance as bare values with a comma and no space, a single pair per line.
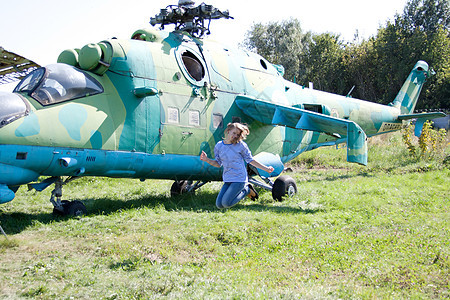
431,144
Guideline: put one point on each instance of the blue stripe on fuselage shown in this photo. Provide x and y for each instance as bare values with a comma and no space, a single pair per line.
51,161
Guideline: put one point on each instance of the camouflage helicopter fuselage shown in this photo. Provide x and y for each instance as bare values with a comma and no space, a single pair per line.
147,107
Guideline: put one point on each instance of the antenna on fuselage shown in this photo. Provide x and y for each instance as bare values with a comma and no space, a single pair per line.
349,93
189,18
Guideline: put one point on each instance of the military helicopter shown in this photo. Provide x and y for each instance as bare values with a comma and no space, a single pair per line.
146,108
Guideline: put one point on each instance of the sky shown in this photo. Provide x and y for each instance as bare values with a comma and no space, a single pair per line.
41,30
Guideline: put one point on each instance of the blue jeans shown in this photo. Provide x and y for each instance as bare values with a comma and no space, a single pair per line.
231,193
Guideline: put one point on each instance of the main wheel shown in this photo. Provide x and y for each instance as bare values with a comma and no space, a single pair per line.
75,208
63,212
283,185
178,188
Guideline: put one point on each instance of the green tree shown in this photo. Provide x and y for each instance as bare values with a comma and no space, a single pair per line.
322,64
280,43
420,33
361,63
437,94
426,15
377,67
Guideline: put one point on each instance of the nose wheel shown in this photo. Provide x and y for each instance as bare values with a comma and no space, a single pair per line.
61,207
284,186
70,208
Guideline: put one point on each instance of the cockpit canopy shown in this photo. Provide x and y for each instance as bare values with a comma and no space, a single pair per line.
12,107
57,83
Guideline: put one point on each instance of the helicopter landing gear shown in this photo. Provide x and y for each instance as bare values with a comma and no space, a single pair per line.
70,208
64,207
185,186
283,186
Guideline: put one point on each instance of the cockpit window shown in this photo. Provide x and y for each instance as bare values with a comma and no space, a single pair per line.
31,81
193,65
12,107
57,83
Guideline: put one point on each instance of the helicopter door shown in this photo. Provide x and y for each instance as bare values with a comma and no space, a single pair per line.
184,116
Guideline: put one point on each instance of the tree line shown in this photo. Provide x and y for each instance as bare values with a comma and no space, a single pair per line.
373,69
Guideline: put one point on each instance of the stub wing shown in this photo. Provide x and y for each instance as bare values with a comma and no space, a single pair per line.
277,114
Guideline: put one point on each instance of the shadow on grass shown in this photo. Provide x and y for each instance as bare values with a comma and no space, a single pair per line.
16,222
204,202
316,175
348,176
277,209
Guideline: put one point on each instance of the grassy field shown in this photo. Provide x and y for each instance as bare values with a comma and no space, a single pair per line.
351,232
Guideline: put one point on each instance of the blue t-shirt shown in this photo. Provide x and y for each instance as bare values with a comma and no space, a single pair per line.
232,157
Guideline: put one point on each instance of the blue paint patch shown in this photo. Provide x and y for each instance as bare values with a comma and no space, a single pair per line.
405,100
30,126
96,140
173,40
72,117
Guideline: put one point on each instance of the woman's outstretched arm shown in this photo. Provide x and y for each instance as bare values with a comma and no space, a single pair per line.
259,165
210,161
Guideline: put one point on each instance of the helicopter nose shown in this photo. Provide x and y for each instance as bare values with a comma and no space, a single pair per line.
12,107
6,194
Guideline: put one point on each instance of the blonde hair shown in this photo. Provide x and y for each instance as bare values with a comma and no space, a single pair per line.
242,127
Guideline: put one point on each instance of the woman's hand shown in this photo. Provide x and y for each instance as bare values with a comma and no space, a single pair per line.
203,156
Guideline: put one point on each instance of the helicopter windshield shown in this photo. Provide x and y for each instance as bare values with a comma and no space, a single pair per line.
12,107
57,83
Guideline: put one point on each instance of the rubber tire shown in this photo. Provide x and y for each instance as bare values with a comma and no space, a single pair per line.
65,204
178,188
75,209
283,185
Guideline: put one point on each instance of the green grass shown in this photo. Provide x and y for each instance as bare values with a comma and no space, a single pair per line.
351,232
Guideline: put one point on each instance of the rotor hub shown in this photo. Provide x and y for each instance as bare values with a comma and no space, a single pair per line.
188,17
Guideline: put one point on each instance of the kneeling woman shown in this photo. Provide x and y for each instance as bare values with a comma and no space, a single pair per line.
232,153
